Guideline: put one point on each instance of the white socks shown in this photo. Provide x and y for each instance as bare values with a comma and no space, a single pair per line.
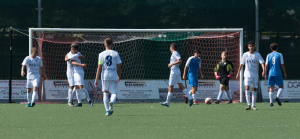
190,92
185,91
271,96
220,95
106,101
169,97
86,94
33,96
78,92
70,95
280,90
254,95
29,96
247,95
113,98
228,95
194,97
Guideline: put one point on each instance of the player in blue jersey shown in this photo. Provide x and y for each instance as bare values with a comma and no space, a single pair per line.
193,65
275,63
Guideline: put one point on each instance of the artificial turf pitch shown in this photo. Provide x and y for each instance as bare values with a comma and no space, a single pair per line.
150,120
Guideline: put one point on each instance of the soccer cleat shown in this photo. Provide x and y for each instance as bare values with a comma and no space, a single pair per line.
32,104
91,103
278,101
271,104
111,110
254,108
195,103
28,105
79,105
230,101
186,99
191,102
71,104
107,113
217,102
248,107
164,104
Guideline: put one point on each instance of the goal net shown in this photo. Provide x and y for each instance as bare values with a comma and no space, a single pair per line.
145,55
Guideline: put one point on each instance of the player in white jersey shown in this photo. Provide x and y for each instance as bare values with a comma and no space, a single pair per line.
175,75
33,63
109,65
275,66
79,75
251,60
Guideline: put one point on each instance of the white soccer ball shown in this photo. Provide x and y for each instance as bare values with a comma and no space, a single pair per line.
208,100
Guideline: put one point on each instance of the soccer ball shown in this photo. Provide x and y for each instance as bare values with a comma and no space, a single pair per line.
208,100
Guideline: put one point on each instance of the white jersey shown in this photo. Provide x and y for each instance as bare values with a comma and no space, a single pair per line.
251,62
77,69
175,57
32,65
70,68
109,60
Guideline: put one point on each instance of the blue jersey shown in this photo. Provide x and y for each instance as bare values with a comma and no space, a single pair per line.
274,60
193,65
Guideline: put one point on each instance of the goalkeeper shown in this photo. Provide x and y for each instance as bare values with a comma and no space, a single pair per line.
223,72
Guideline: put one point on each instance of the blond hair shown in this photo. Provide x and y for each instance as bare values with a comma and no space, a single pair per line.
223,53
34,49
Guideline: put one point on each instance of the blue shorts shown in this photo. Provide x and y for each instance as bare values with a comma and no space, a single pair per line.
275,79
193,81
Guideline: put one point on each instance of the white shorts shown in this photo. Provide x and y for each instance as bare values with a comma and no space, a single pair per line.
79,78
70,79
33,83
174,79
110,85
251,81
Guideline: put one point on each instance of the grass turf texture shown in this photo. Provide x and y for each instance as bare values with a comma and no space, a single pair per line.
150,121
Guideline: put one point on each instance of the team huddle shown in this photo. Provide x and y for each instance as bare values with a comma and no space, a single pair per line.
109,65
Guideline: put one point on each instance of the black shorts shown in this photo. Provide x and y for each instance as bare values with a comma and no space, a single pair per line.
224,81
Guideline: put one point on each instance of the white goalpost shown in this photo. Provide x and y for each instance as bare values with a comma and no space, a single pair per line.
144,52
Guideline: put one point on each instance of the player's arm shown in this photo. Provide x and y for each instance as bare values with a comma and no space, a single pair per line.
98,72
179,61
82,57
200,72
78,64
238,72
66,58
230,69
184,72
119,71
216,69
22,70
283,69
44,73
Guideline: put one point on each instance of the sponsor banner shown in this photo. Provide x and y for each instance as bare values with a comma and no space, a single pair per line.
18,88
291,89
139,89
234,89
58,89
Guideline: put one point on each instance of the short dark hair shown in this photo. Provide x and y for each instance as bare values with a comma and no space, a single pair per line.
174,46
197,51
75,46
274,46
251,43
109,42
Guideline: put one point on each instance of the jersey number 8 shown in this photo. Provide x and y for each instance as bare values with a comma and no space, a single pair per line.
108,60
273,60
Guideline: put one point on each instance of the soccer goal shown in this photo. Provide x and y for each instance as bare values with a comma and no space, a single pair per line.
145,54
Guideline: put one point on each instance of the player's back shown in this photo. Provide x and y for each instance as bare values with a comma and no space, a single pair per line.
274,60
75,57
109,60
193,65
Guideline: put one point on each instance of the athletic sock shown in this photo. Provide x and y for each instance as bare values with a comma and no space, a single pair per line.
185,91
70,95
29,96
194,96
254,95
86,94
113,98
73,91
271,97
247,95
228,95
220,95
280,90
190,92
33,96
169,97
78,92
106,101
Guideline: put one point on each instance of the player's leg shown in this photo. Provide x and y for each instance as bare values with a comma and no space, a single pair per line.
185,91
254,92
194,89
113,89
86,94
228,94
29,95
279,82
77,81
222,89
35,84
71,88
247,93
172,82
105,89
271,84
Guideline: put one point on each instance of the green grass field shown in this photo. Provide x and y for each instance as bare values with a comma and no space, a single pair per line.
153,121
